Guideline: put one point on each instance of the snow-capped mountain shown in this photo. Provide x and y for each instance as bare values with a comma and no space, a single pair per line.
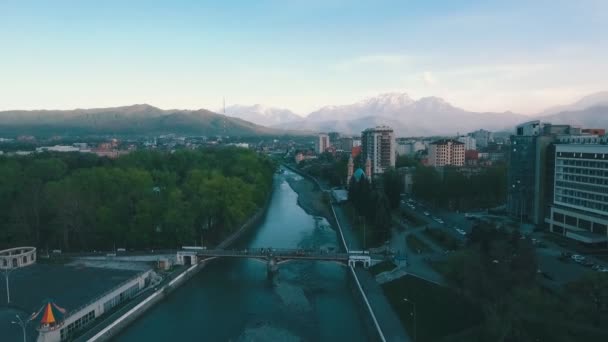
382,105
425,116
262,115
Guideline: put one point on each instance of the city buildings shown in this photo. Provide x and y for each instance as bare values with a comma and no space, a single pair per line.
409,147
580,193
300,156
446,152
322,143
530,173
378,145
482,137
469,142
345,144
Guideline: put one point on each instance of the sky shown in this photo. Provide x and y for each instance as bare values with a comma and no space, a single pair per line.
517,55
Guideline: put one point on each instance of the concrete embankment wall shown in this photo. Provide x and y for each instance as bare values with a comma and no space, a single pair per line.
372,322
137,311
130,316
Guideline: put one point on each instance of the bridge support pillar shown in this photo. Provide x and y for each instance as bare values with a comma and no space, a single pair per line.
272,267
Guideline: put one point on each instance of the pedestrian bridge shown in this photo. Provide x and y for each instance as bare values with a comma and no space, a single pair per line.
273,256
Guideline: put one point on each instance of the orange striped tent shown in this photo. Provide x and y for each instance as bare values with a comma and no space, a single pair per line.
50,314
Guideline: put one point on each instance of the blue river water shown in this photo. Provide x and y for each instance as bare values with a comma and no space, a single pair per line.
235,300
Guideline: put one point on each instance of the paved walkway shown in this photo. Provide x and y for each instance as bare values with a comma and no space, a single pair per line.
387,318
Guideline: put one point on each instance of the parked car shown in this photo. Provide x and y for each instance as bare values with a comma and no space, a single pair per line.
587,263
426,213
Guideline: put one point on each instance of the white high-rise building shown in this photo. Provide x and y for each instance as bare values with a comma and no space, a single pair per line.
378,144
580,193
482,137
322,143
469,142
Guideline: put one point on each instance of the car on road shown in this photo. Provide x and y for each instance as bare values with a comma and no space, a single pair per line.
460,231
578,258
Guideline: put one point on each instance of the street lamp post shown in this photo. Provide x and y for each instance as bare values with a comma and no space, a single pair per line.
415,316
23,324
7,272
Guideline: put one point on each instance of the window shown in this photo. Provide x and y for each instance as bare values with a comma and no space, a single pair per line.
570,220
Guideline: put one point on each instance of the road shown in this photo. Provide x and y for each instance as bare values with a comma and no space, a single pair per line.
557,272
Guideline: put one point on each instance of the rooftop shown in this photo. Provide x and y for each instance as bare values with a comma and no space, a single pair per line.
446,141
69,286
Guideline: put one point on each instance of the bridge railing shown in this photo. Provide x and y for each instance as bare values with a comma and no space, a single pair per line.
275,252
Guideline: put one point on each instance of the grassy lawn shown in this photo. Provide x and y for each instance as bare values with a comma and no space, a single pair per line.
440,311
415,244
382,267
443,239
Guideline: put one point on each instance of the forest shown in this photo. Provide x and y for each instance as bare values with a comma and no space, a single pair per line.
144,200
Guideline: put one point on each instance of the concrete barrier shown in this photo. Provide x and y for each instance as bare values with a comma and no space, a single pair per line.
123,321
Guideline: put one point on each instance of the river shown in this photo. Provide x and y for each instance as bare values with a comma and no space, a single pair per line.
235,300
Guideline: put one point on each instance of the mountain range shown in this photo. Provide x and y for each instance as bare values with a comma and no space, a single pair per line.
262,115
141,119
426,116
430,116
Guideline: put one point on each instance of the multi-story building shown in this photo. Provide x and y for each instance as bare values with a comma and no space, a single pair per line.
322,143
469,142
529,173
345,144
580,197
378,145
334,136
404,148
482,137
446,152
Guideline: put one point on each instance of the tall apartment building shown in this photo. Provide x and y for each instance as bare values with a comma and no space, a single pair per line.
322,143
469,142
529,176
580,197
446,152
482,138
345,144
378,144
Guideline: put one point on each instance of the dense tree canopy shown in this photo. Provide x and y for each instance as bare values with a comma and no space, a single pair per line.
143,200
483,190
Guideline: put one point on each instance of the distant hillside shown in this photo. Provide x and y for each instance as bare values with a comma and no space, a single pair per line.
593,117
593,100
262,115
137,119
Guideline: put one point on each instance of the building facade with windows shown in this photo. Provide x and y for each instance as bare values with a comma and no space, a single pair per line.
446,152
322,143
530,170
378,145
580,197
469,142
482,138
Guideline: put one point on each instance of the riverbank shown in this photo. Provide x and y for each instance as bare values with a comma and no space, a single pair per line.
118,324
313,201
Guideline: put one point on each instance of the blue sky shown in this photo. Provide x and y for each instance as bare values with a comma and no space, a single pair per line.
479,55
